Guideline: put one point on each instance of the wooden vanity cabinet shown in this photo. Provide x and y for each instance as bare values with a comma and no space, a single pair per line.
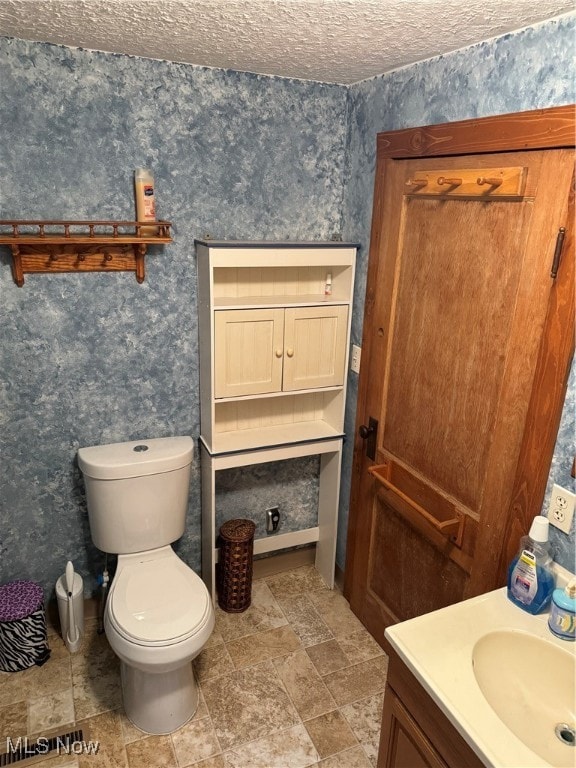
415,733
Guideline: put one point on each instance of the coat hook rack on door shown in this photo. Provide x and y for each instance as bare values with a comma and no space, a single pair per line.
476,183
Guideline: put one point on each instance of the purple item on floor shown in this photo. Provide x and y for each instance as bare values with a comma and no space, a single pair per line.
23,640
19,599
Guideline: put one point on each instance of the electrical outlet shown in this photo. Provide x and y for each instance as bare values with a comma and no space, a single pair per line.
355,358
561,509
272,520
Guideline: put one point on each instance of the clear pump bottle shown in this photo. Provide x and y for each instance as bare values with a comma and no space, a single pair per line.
530,576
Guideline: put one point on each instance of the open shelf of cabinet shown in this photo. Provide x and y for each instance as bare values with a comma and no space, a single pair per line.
80,246
274,326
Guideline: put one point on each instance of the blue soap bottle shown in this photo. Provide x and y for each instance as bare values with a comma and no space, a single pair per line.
530,576
562,619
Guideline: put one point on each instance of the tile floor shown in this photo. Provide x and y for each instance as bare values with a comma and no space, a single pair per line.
293,681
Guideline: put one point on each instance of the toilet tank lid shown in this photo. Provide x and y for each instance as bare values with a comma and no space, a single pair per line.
136,458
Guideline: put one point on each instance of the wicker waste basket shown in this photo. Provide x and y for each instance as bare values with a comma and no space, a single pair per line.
23,638
235,565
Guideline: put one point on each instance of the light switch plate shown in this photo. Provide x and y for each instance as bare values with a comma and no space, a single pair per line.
355,358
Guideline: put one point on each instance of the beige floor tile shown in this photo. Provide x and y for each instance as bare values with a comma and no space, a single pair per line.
335,611
94,653
350,758
263,613
95,677
291,748
304,620
248,704
213,661
270,644
357,682
50,711
330,733
213,762
195,741
365,718
214,639
58,648
13,722
304,685
296,582
130,732
360,646
151,752
328,657
106,729
51,677
96,692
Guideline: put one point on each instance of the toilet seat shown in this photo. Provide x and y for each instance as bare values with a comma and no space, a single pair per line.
158,601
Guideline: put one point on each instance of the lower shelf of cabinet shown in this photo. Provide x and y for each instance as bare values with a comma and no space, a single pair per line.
280,541
268,437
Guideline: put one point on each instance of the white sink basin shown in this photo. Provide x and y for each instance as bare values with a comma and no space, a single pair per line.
529,683
500,676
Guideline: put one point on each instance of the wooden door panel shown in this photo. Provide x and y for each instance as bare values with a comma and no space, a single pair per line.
457,317
451,327
414,573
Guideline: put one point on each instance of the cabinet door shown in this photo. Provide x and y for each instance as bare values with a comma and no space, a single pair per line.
315,347
402,742
248,351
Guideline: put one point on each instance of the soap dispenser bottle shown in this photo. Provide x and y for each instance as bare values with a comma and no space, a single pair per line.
562,619
530,576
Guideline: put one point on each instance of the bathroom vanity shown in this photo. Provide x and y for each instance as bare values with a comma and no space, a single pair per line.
415,732
480,683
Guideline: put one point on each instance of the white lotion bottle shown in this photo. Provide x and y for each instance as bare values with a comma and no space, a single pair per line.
145,199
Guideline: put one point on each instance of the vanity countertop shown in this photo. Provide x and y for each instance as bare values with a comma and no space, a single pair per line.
438,649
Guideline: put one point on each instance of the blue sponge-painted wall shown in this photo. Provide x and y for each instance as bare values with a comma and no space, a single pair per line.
96,358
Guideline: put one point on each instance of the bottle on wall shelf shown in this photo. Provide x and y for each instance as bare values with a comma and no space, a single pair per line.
145,199
562,619
530,576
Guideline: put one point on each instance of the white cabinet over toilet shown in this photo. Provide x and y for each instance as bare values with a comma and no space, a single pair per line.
274,325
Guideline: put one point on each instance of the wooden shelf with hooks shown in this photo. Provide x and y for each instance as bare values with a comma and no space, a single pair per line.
80,246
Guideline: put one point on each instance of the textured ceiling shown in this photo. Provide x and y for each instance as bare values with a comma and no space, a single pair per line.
336,41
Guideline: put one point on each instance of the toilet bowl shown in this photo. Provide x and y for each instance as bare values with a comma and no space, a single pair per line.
159,613
158,618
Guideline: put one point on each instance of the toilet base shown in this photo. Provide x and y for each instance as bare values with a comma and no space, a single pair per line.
159,703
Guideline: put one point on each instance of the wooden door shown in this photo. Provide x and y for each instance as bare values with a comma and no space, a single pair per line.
248,351
314,347
466,348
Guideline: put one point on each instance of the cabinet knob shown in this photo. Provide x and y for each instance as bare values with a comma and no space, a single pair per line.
278,353
290,352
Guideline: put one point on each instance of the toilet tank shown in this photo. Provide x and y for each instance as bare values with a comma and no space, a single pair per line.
137,492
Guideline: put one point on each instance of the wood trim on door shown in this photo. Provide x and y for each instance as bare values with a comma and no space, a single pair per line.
538,129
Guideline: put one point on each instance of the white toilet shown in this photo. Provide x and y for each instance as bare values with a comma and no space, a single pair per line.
159,614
